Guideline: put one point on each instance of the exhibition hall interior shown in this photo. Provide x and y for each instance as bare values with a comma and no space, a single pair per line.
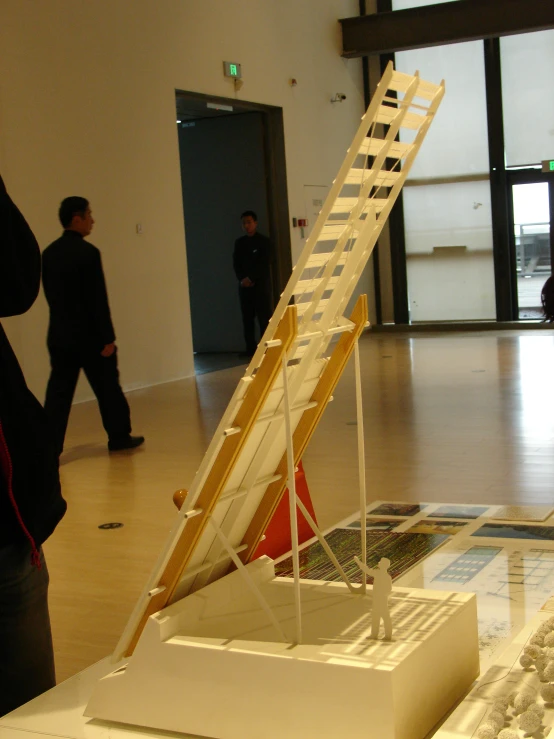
343,526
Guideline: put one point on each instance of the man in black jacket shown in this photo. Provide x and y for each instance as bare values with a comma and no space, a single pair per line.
31,504
251,261
81,334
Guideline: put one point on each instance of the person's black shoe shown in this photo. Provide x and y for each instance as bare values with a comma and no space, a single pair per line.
127,442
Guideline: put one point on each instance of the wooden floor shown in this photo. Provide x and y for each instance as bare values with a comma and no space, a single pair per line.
457,417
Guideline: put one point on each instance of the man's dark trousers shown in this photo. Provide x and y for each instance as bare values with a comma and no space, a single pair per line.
254,301
103,376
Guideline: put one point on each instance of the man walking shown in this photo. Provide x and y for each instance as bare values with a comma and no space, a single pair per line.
251,261
81,334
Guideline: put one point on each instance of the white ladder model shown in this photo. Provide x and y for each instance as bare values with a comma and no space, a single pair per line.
289,381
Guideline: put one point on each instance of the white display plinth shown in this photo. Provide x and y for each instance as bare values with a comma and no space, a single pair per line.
211,664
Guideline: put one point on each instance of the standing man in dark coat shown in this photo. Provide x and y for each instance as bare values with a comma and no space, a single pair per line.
31,503
81,334
251,261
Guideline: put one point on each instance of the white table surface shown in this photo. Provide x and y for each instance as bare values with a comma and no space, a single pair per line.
58,714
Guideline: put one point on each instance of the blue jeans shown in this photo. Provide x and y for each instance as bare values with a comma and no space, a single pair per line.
26,653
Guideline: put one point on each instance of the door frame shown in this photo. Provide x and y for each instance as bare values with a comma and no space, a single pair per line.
276,180
527,177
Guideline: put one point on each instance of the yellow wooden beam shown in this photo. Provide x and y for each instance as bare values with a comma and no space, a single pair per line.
223,466
306,427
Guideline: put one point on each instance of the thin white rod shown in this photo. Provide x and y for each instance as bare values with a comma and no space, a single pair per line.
248,578
209,565
194,512
239,492
292,504
361,461
314,527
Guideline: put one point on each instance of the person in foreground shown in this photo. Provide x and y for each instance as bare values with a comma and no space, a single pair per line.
31,503
81,334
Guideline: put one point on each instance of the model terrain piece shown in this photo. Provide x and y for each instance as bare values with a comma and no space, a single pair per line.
213,665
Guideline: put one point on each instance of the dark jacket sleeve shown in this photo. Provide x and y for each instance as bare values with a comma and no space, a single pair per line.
19,259
99,301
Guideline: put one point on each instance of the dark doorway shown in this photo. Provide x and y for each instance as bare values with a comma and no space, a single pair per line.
232,159
531,200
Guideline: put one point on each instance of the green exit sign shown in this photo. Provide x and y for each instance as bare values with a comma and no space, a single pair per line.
232,69
548,165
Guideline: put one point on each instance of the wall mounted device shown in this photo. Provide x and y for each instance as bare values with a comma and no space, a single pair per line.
232,69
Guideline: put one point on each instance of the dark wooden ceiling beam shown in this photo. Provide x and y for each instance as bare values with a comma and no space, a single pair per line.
443,23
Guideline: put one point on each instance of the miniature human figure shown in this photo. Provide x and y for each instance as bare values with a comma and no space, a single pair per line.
81,334
382,586
251,262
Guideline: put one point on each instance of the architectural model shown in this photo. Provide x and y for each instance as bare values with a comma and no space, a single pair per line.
217,645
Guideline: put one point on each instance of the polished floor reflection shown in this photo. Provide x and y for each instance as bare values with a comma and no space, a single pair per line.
449,418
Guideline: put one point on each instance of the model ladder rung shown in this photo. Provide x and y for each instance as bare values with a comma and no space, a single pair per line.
231,495
306,286
303,307
340,329
346,205
395,150
300,351
332,232
383,178
387,114
321,258
400,82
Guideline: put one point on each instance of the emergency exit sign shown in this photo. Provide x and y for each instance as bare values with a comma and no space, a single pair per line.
232,69
548,165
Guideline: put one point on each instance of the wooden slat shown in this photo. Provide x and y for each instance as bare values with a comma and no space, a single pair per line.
303,307
396,149
321,259
383,178
305,428
222,468
346,205
400,82
332,231
309,285
387,113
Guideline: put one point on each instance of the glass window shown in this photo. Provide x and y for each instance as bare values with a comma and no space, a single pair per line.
404,4
449,252
457,141
527,64
532,242
448,224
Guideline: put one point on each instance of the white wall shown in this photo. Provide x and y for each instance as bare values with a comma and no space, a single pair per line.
87,107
